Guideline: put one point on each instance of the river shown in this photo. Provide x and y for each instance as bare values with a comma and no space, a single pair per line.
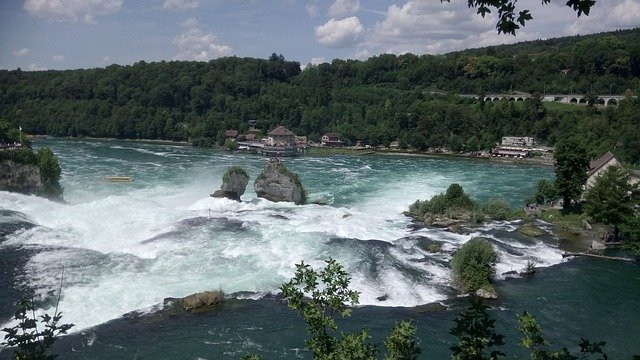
125,247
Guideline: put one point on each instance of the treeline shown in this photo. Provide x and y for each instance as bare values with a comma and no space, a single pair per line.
408,98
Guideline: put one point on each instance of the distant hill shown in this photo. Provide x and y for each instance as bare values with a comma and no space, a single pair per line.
409,98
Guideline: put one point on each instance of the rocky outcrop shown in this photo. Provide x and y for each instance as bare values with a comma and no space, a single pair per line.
486,292
277,183
531,230
198,302
202,301
22,178
234,183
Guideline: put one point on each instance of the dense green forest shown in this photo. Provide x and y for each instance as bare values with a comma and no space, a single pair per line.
410,98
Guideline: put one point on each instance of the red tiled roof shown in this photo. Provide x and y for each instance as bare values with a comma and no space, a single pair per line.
231,133
281,131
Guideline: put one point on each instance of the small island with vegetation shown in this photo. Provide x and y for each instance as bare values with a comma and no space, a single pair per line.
24,170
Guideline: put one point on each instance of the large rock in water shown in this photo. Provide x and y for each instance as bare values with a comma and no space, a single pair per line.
277,183
234,183
23,178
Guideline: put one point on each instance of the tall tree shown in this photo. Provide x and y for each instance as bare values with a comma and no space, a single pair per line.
612,198
571,165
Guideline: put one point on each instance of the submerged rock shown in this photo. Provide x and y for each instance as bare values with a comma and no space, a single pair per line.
276,183
234,183
434,307
486,292
202,301
530,230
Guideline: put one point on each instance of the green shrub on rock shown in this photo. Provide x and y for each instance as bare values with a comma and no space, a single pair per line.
49,173
497,210
474,265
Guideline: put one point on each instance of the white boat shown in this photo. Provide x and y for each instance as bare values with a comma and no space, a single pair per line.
118,179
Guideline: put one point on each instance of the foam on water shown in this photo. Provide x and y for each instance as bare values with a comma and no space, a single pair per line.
128,248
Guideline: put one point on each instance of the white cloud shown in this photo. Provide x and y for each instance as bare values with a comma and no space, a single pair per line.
106,59
35,67
181,4
340,33
58,58
420,26
341,8
607,15
312,8
72,10
317,60
194,44
362,54
22,52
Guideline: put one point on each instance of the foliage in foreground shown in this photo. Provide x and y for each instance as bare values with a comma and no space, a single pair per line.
29,342
319,294
474,264
475,332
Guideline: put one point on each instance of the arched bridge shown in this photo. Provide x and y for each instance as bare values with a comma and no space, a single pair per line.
603,100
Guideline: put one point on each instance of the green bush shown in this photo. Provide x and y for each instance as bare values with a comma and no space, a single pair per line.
234,170
230,144
22,156
474,264
497,210
49,173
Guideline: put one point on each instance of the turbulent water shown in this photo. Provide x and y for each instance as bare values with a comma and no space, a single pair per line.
126,247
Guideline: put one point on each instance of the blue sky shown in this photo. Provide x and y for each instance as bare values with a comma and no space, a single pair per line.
70,34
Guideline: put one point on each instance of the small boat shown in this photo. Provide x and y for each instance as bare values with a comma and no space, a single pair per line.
118,179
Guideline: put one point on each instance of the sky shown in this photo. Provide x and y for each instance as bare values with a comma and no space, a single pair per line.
70,34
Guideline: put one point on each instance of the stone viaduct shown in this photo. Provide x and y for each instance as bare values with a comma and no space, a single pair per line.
603,100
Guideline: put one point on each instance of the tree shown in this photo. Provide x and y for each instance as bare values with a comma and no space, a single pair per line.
318,302
533,339
475,331
571,165
49,173
546,192
474,264
507,19
30,342
612,198
401,343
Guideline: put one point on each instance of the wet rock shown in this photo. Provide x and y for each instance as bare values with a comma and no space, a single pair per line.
430,308
531,230
22,178
276,183
234,183
202,301
486,292
384,297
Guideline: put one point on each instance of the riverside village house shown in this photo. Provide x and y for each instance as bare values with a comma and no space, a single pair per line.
280,142
599,166
331,139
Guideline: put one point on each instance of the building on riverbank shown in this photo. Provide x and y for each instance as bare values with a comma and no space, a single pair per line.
280,142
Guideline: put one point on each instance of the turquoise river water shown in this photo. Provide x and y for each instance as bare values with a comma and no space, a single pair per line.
126,247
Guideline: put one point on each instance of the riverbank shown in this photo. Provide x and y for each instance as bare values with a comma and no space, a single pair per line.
147,141
314,150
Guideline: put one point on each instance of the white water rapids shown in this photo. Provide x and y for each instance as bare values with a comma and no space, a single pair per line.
127,247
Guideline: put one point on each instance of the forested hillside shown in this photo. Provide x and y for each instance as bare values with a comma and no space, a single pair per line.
408,97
